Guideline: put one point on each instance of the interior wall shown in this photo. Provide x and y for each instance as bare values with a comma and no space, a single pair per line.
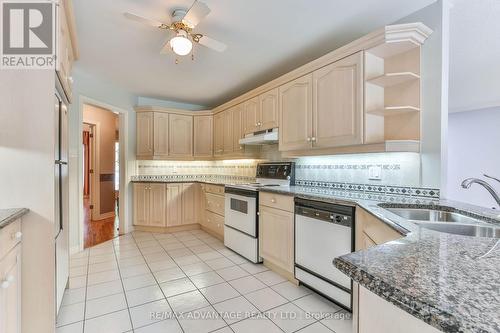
27,139
107,137
473,138
434,93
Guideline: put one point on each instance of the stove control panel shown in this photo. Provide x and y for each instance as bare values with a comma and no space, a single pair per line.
277,170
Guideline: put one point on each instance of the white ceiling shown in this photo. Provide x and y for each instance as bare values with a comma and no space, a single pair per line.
474,54
265,38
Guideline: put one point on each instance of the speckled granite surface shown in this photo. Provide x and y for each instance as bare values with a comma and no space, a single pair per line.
7,216
449,281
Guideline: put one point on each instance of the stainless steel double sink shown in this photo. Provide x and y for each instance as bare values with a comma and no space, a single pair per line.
448,222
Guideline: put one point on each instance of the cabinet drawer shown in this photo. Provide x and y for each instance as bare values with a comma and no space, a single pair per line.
215,189
215,222
215,203
283,202
10,236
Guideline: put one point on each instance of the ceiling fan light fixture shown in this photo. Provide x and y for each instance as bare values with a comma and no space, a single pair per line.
181,45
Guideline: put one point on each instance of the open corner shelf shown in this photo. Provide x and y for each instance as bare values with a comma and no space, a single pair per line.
391,79
393,110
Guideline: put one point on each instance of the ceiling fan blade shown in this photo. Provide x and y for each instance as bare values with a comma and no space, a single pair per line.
212,44
195,14
144,20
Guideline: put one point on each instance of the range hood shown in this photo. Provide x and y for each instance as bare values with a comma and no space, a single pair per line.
266,137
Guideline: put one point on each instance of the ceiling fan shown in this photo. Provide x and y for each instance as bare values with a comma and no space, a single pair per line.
183,23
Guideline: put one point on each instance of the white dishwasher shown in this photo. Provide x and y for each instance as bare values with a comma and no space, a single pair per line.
323,231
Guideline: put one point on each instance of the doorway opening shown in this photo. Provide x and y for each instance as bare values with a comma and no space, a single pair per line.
101,172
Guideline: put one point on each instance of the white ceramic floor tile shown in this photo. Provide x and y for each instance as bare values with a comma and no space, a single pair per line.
71,328
219,263
339,322
182,252
101,258
290,317
206,279
317,306
70,314
290,291
254,268
102,267
126,262
77,282
210,322
235,309
164,326
212,254
150,313
237,259
162,265
224,330
270,278
77,271
187,260
255,324
134,270
140,281
104,289
101,306
188,301
265,299
77,262
115,322
176,287
197,268
219,292
169,274
247,284
317,327
232,273
102,277
72,296
143,295
200,249
226,252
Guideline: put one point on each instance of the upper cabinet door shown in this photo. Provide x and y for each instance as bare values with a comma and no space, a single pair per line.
180,135
144,134
295,114
251,115
203,134
238,132
160,134
338,103
218,134
268,103
228,131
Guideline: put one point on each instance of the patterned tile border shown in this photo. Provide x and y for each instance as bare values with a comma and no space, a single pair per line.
347,166
373,188
191,177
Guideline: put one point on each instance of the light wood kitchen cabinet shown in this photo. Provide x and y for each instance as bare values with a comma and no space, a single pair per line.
174,205
149,204
10,291
66,47
268,110
160,134
180,135
144,134
238,131
218,134
295,114
370,231
189,196
276,231
251,111
214,203
228,131
157,205
338,103
276,243
203,136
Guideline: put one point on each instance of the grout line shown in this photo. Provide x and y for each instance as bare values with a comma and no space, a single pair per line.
123,288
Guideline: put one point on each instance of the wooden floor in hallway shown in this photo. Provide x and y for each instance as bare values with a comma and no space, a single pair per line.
96,232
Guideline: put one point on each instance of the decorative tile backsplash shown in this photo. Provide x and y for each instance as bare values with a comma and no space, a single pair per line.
244,168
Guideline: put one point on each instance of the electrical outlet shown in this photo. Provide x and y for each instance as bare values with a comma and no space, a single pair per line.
375,172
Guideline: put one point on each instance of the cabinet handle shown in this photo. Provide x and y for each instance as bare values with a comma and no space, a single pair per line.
259,124
273,200
6,283
308,139
17,235
256,124
313,139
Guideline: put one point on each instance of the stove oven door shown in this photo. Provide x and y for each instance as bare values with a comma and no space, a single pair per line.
241,211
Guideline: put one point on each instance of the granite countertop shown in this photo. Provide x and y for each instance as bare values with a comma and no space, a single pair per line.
451,282
7,216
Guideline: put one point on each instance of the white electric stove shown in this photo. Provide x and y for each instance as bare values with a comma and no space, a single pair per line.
242,207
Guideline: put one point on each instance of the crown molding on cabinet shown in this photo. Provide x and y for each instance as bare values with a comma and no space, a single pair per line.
70,18
171,110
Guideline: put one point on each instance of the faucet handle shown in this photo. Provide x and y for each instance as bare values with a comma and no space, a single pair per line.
491,177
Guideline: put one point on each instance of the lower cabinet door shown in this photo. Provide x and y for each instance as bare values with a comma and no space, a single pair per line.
141,204
188,203
276,237
10,292
174,205
157,198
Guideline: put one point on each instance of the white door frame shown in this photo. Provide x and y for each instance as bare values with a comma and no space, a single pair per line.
123,213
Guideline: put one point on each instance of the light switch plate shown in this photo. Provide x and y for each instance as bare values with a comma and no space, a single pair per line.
375,172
